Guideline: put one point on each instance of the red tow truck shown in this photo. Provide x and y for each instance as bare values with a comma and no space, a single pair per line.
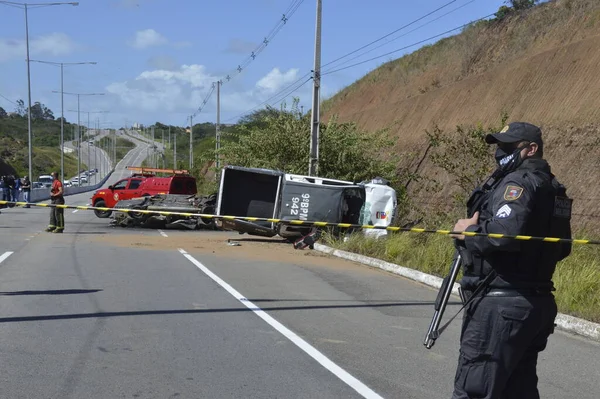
143,182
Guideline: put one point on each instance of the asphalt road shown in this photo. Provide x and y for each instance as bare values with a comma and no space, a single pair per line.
103,312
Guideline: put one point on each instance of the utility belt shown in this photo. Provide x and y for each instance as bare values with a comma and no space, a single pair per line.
466,294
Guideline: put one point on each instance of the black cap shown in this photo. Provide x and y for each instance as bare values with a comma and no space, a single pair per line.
515,132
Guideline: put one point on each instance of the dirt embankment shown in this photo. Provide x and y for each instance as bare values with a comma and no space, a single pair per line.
542,67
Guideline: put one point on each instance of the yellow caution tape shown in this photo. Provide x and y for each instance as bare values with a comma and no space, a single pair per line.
311,223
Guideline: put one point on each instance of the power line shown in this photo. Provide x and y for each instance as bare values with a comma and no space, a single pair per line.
408,46
293,86
403,35
293,89
10,101
391,33
289,12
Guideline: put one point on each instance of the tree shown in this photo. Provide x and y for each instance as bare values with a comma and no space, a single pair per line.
21,110
522,4
48,114
3,113
37,112
465,155
281,140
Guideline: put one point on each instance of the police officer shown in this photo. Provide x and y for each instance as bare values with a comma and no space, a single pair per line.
57,215
507,321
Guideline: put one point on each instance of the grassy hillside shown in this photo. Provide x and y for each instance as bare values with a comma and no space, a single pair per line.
46,147
540,65
123,147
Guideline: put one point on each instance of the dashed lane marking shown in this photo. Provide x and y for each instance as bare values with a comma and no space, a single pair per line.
5,256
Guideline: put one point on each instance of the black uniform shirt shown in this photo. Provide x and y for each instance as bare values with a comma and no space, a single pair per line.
521,204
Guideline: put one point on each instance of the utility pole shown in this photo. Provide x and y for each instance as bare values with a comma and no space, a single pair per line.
78,144
97,126
191,141
79,124
174,149
314,128
114,146
218,130
153,156
88,148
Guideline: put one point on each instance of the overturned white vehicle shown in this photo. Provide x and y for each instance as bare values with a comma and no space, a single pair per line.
265,193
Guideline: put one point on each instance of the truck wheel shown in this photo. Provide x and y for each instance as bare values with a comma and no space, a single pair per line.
101,214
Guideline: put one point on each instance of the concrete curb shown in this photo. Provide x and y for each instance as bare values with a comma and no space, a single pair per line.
564,322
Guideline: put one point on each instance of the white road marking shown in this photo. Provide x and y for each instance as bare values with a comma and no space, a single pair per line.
339,372
162,233
5,256
76,210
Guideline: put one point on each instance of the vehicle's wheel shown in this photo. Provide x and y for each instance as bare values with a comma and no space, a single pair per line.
99,213
137,215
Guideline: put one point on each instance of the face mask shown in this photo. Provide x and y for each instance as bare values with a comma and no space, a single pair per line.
508,161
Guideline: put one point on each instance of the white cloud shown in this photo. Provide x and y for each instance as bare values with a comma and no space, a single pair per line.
147,38
53,44
164,92
275,80
162,89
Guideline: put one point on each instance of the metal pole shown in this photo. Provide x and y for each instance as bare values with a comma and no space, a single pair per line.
78,143
191,147
314,129
218,129
174,149
114,147
88,147
153,156
62,127
29,133
96,153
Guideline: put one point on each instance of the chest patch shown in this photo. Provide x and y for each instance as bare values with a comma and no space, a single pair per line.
513,193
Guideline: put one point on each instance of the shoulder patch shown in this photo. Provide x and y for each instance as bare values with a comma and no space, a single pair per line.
513,193
504,212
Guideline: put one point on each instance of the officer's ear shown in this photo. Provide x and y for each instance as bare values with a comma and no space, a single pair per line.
532,149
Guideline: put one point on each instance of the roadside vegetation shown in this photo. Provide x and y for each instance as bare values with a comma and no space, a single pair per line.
463,155
123,147
14,156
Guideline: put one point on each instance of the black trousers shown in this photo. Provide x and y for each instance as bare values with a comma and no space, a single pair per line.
500,341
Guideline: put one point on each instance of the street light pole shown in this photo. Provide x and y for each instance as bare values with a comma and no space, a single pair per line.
79,127
191,142
29,132
62,109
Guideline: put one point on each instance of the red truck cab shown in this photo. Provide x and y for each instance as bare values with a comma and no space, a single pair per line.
144,183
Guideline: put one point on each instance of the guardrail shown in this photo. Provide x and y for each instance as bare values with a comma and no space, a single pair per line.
43,194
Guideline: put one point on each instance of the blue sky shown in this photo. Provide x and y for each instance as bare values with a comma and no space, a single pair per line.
157,59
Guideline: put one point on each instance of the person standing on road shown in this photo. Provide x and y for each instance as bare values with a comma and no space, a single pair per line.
510,308
16,189
26,187
57,215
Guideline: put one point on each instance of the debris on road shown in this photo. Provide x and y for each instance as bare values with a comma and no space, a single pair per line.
171,203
